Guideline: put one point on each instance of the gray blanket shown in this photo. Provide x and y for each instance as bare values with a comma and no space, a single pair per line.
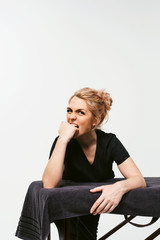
44,206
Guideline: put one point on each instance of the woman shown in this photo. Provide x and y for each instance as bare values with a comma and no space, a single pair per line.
82,152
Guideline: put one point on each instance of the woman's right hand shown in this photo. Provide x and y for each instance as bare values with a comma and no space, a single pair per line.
67,131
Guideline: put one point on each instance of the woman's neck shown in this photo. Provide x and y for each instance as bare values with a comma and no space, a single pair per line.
87,139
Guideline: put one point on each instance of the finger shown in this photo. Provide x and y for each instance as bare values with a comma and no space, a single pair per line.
97,189
96,204
111,208
100,208
106,208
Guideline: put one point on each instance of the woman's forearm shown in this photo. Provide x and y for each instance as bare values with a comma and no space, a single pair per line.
53,172
131,183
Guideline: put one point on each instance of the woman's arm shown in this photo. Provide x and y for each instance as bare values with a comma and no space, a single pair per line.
112,194
134,178
54,170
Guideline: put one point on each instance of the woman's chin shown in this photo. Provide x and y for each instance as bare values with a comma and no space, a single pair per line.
76,134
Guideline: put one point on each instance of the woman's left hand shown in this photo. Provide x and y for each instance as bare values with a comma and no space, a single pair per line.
109,199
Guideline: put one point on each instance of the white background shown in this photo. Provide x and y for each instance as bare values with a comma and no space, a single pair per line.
48,50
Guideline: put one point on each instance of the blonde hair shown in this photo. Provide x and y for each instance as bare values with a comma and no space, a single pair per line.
99,102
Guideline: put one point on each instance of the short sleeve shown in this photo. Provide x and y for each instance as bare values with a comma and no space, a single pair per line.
118,151
53,146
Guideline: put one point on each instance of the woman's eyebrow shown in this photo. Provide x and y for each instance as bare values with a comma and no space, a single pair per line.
80,109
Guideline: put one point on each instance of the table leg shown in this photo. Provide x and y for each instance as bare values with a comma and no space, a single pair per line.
63,228
49,236
116,228
153,235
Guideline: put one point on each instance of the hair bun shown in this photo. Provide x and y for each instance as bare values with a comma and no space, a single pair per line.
106,99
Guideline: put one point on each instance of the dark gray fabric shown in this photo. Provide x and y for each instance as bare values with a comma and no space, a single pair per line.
72,199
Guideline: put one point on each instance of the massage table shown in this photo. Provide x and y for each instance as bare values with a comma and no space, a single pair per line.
72,199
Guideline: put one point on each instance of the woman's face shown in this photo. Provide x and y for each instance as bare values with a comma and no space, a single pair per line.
79,115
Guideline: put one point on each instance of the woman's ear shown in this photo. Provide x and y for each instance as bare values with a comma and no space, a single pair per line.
95,122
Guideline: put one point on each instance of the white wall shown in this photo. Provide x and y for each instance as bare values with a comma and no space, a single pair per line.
49,49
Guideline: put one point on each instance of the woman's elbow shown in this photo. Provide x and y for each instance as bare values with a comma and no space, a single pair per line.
48,185
143,182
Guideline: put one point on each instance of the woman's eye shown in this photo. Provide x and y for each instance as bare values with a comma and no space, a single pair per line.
82,113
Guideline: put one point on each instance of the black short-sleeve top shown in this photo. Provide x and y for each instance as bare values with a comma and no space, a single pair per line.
77,167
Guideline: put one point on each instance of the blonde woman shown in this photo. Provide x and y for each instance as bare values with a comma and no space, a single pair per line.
82,152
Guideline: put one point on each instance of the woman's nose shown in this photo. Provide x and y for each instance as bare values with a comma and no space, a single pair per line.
72,116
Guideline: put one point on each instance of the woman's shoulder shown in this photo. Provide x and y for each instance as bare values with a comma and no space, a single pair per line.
106,138
101,133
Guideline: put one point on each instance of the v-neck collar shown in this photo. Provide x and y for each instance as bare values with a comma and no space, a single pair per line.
95,151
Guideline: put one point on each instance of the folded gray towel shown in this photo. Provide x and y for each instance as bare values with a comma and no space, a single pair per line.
44,206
